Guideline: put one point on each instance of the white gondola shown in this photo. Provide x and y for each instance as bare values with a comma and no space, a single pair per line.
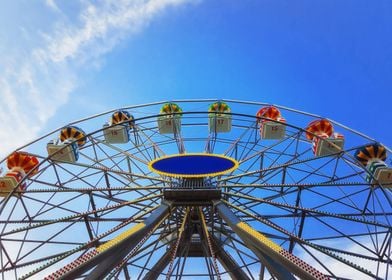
379,173
66,151
273,130
324,145
116,134
169,124
219,123
9,182
272,124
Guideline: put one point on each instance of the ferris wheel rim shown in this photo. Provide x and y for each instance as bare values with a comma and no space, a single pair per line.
265,186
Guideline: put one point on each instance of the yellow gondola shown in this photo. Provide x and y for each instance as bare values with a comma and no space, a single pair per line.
219,117
169,119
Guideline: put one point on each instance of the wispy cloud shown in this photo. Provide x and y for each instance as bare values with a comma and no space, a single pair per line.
341,269
101,27
52,4
35,82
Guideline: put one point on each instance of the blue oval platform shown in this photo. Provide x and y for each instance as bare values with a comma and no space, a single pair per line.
193,165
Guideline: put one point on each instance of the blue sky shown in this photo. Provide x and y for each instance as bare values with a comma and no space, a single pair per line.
64,60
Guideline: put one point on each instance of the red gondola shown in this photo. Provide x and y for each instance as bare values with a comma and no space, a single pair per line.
20,165
272,124
324,140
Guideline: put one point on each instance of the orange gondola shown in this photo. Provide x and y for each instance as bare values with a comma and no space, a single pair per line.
370,153
116,131
122,116
373,156
66,148
20,165
73,133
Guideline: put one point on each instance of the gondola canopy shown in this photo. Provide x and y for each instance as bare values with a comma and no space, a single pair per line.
319,127
73,133
371,152
170,108
23,161
122,116
219,107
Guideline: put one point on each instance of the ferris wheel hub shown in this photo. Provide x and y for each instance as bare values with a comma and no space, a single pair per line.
192,197
195,165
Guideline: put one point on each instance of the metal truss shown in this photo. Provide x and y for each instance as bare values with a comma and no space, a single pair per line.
283,214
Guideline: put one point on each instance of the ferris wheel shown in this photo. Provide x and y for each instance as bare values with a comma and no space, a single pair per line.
206,189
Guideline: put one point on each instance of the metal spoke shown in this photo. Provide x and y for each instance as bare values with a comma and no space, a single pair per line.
289,204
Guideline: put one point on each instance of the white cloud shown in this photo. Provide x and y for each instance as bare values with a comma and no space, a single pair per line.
36,81
341,269
101,27
52,4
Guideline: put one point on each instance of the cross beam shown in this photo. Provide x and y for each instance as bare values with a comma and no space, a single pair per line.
108,255
280,263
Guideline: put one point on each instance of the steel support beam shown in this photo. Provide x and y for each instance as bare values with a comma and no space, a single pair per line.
159,266
229,264
279,262
198,249
117,252
107,256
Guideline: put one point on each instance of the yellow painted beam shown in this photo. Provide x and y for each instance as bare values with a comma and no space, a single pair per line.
260,237
120,237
